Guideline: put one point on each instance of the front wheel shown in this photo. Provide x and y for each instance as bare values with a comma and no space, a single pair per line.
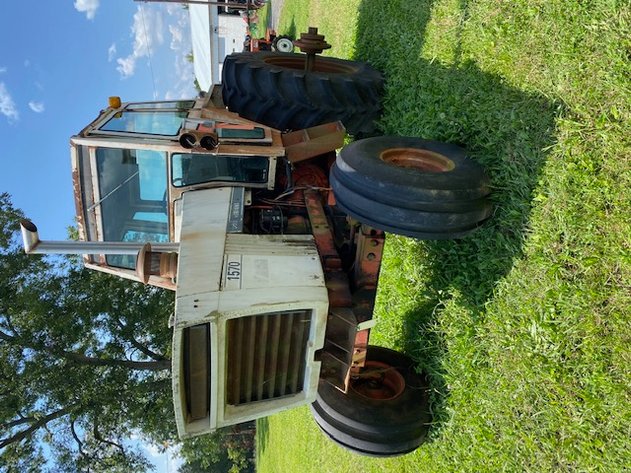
386,409
413,187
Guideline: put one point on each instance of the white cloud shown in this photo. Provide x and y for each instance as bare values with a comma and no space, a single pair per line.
37,107
175,9
111,52
183,91
153,450
88,7
3,70
147,31
126,66
165,458
7,105
176,36
182,85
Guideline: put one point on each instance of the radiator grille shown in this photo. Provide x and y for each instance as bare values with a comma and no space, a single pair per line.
266,356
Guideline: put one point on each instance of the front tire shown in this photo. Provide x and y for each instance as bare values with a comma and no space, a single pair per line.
413,187
387,418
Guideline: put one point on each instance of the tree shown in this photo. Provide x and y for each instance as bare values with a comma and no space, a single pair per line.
85,366
227,450
84,362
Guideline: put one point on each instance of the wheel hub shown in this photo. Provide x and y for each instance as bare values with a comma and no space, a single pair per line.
311,43
420,159
285,45
378,381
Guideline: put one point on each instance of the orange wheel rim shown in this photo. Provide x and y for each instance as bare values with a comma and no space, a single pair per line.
420,159
378,381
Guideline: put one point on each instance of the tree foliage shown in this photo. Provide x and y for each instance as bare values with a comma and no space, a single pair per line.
85,367
84,362
227,450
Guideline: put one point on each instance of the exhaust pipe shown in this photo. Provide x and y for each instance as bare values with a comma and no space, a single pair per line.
33,245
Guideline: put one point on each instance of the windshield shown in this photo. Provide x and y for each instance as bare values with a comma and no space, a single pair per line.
133,189
149,123
175,105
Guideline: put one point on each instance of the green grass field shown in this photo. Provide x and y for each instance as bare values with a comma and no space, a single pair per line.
524,327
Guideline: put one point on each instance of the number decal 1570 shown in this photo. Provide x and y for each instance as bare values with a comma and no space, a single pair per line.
232,273
233,270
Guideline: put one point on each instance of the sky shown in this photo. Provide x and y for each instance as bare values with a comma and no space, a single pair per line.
59,62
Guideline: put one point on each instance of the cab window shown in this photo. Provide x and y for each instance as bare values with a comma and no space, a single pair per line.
133,190
165,123
190,169
176,105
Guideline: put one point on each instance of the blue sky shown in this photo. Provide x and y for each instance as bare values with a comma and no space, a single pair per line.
59,62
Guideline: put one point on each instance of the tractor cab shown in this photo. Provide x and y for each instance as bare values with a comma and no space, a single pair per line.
132,165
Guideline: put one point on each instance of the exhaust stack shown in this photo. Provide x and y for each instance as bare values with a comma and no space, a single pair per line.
33,245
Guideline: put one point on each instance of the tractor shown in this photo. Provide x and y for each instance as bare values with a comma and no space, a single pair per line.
246,203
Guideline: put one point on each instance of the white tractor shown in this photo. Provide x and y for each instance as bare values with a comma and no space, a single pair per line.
272,242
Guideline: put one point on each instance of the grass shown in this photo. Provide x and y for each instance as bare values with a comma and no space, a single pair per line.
524,326
262,21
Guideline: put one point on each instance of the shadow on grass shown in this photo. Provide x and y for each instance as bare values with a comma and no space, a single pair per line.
504,128
262,435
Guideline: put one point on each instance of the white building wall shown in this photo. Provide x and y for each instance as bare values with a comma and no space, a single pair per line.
213,37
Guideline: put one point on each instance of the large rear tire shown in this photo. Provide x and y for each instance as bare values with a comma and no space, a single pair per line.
273,89
409,186
383,415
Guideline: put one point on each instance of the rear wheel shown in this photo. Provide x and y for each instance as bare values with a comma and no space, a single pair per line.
274,89
409,186
386,409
